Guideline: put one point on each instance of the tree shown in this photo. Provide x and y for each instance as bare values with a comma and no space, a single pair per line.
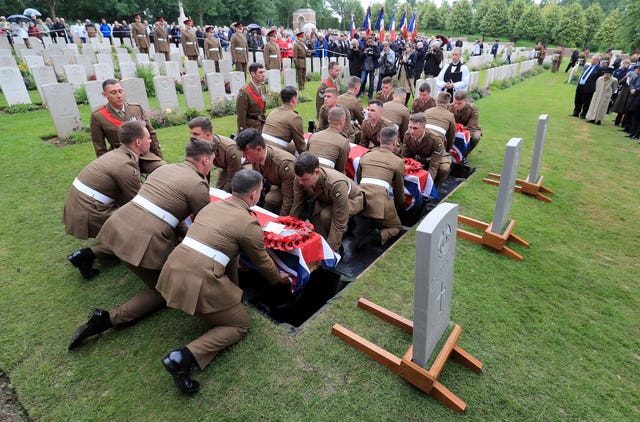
571,24
630,27
516,9
530,25
460,19
353,7
198,8
551,19
594,17
495,21
609,34
429,16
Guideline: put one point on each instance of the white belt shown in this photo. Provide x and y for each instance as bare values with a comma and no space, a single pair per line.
206,250
273,55
162,214
160,39
278,141
240,48
326,162
139,35
436,128
214,49
189,43
90,192
373,181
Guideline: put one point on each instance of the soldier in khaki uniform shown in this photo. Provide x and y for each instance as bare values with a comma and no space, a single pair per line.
139,34
212,48
104,185
378,170
189,41
337,198
332,81
386,94
427,146
161,38
372,125
144,231
556,59
441,120
275,165
396,112
239,52
284,124
329,145
106,120
350,101
467,115
251,100
330,101
424,101
300,59
200,276
272,52
228,157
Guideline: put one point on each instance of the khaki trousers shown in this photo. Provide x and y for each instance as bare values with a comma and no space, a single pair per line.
142,304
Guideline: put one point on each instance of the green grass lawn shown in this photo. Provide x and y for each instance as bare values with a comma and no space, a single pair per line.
558,333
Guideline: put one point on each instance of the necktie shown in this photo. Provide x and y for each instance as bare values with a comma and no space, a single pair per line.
585,75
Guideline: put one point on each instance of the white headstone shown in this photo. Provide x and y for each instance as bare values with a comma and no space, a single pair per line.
215,84
286,63
42,76
136,92
33,61
142,58
13,86
124,58
324,72
237,82
193,92
75,75
316,64
289,77
155,68
65,115
127,70
159,58
308,64
135,50
59,63
225,68
191,67
105,58
172,69
94,94
175,56
259,57
4,43
86,61
541,134
208,66
103,71
273,76
507,183
166,94
433,282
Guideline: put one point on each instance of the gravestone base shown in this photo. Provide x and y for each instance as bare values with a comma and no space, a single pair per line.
425,380
524,186
495,241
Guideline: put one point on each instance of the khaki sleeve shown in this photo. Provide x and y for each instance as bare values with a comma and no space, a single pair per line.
252,243
297,130
340,213
287,178
242,105
97,137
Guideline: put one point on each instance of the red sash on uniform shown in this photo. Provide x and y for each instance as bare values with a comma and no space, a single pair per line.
255,97
329,83
109,117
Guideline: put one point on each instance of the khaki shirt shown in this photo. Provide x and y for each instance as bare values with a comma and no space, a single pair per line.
212,48
468,116
419,105
278,170
139,35
228,160
331,145
349,101
161,39
248,111
272,56
189,43
349,131
285,124
369,132
429,148
443,118
300,54
382,164
398,114
239,52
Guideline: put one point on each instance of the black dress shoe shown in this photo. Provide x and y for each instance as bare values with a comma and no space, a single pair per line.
83,261
371,238
179,364
98,322
591,121
582,117
573,115
598,123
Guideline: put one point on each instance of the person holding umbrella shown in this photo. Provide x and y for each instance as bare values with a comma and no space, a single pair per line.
19,28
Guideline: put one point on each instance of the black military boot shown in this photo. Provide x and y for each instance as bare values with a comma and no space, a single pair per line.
179,364
98,322
83,261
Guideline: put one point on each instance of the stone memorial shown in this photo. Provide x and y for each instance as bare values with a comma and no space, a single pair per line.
59,63
94,94
507,183
127,70
136,92
155,68
316,64
175,56
105,58
33,61
237,82
208,66
172,69
286,63
142,58
433,282
273,77
65,116
159,58
75,75
259,57
191,67
309,69
135,50
9,61
324,72
541,134
103,71
4,43
225,68
193,92
12,84
166,94
215,84
43,75
289,77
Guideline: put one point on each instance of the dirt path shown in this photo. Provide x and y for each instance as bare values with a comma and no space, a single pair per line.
10,408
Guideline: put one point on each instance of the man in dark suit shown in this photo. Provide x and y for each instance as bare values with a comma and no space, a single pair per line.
586,87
